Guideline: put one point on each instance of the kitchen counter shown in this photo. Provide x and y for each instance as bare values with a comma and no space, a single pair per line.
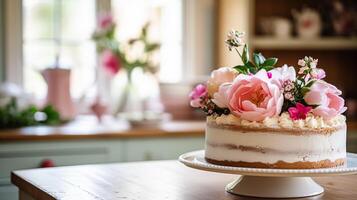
87,127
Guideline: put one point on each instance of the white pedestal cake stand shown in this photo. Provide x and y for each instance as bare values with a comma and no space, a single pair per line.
271,183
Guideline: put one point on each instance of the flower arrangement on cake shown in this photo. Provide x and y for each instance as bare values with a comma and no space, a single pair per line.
259,115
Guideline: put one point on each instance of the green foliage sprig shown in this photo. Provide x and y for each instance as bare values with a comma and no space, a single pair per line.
234,42
13,117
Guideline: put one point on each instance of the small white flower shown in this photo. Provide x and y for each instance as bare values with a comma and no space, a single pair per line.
313,63
288,87
302,62
289,96
302,70
234,39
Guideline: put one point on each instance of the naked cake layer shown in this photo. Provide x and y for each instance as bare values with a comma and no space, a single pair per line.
282,164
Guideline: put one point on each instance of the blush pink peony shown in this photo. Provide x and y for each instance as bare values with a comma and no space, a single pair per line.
218,77
283,74
326,97
255,97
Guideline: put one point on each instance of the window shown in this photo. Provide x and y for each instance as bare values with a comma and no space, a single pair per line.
58,28
37,31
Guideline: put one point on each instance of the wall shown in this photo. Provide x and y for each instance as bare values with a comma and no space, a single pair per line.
2,67
232,14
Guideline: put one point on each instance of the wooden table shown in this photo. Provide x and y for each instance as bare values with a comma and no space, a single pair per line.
146,180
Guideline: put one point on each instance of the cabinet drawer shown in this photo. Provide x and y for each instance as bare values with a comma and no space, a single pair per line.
61,156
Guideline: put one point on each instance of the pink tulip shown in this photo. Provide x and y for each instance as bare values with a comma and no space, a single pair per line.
255,97
196,95
110,62
326,97
299,111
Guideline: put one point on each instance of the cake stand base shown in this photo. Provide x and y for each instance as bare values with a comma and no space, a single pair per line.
274,187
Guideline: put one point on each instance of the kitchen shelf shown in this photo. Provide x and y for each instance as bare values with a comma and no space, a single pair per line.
326,43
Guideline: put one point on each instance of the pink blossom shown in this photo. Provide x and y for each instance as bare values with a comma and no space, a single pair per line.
220,76
269,74
110,62
299,111
255,97
317,73
105,21
196,94
283,74
220,98
326,97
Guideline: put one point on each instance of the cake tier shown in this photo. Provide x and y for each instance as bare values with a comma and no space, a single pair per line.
275,148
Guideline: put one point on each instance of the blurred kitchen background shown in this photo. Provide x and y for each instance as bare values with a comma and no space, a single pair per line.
98,81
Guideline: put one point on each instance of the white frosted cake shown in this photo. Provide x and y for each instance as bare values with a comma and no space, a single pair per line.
276,143
259,115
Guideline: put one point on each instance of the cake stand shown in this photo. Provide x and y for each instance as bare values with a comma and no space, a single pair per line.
271,183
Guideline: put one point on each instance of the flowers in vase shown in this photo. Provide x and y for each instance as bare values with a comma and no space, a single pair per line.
116,55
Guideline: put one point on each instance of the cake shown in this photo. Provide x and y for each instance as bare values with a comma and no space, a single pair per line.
263,116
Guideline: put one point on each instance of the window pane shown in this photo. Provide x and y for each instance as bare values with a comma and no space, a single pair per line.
58,27
38,18
37,56
81,60
166,26
77,19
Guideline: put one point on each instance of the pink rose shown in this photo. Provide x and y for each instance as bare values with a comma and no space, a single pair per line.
220,76
105,21
326,97
220,98
255,97
110,62
197,94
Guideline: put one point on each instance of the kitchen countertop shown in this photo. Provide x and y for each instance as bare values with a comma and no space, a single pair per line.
87,127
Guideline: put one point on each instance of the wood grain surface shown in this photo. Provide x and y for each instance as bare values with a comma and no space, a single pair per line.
89,128
148,180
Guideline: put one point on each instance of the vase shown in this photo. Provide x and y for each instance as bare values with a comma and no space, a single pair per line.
140,96
58,91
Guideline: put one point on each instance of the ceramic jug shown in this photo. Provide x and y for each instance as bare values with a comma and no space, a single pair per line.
58,91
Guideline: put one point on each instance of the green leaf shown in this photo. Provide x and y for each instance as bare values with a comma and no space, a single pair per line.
251,67
245,54
309,84
152,47
268,68
241,69
270,62
258,59
304,90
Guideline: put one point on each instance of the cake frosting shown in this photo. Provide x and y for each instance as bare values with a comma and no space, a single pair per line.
283,121
231,141
259,115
